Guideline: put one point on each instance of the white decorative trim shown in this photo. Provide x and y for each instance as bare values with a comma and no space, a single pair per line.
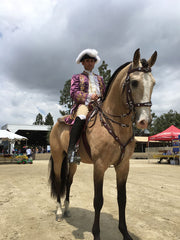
90,52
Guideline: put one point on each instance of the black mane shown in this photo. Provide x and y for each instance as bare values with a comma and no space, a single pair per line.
113,77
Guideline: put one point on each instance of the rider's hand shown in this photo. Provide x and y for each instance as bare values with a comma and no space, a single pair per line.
94,97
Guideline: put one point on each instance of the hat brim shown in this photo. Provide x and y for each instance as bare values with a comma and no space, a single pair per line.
92,53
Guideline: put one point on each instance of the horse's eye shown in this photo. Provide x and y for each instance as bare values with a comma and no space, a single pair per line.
134,83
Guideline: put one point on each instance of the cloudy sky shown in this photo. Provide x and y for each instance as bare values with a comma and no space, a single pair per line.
40,40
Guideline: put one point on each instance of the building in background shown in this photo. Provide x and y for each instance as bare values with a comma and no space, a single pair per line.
37,135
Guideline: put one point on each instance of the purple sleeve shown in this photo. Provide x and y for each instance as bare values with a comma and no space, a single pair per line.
76,93
102,85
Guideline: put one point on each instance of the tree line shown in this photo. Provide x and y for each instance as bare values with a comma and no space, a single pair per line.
40,121
158,124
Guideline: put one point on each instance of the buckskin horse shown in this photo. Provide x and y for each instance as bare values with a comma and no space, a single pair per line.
109,133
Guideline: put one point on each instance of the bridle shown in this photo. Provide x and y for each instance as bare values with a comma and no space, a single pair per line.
106,118
129,98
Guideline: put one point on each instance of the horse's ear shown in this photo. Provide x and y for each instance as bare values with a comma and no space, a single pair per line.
136,58
152,59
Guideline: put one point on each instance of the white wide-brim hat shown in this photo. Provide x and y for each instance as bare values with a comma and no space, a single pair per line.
90,52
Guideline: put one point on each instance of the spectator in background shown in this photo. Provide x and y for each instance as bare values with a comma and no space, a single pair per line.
168,152
28,152
164,152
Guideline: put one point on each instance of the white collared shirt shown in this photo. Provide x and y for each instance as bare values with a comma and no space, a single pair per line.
93,86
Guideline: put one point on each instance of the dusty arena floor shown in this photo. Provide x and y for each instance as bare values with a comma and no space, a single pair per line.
27,211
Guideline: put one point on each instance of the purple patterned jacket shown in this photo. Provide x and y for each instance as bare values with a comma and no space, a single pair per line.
79,92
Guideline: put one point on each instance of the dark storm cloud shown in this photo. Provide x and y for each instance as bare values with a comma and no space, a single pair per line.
45,58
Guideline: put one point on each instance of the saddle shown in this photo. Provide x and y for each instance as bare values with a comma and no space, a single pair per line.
83,133
91,117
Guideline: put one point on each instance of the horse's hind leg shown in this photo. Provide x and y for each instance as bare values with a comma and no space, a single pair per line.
121,176
58,177
59,212
72,170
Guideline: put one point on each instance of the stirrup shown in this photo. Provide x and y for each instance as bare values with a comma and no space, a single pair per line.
77,159
73,155
74,158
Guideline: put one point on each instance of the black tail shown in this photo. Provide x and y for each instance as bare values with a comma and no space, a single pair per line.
58,186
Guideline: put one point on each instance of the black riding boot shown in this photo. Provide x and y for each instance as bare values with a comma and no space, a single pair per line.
74,137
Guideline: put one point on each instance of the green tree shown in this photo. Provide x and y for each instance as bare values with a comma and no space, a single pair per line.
49,120
39,120
65,98
164,121
104,72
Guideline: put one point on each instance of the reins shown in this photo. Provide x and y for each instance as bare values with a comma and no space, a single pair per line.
106,118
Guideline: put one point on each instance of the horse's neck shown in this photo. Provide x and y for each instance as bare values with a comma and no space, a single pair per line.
115,103
116,99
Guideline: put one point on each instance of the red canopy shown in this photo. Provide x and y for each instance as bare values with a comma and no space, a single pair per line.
169,134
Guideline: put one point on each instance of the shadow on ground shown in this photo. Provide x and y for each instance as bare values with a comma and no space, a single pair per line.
82,220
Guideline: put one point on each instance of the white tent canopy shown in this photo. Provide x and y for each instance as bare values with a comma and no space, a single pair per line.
6,135
11,138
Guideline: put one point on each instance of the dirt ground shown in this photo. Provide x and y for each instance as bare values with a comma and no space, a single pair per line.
27,212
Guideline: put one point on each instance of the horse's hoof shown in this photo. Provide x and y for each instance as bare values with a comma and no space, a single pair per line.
58,218
67,214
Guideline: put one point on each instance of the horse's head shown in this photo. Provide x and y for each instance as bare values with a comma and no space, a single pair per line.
140,83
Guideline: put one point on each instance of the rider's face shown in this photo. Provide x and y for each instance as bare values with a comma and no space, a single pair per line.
88,64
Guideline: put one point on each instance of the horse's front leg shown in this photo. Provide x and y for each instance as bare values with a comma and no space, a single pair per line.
98,201
72,170
121,175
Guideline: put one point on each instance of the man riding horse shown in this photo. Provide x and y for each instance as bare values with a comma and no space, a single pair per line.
85,88
110,136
